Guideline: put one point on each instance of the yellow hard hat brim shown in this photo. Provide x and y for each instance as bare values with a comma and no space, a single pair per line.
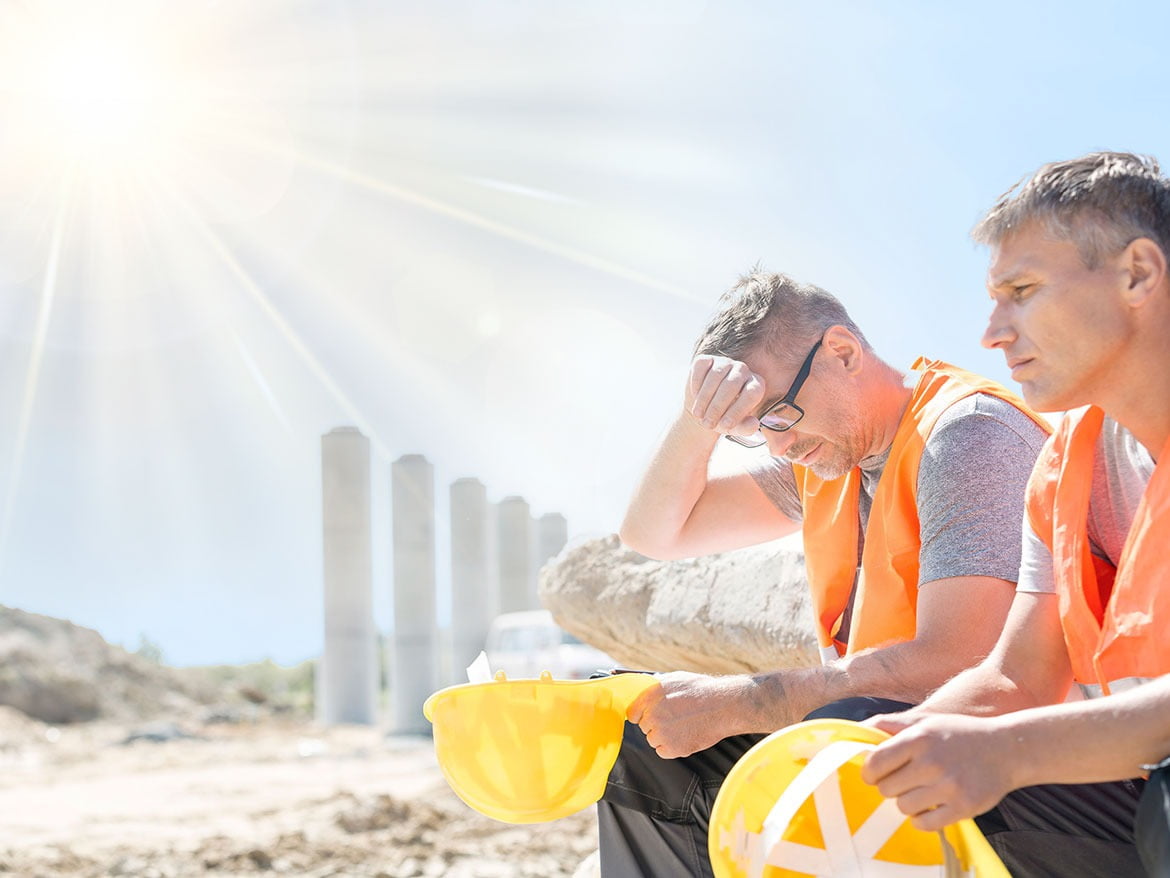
527,751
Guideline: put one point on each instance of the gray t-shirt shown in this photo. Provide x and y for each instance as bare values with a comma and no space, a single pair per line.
1122,467
971,481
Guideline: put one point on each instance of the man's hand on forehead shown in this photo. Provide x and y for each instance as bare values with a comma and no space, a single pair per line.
724,395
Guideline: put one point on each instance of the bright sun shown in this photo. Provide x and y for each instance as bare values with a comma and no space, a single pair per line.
135,135
107,88
93,94
117,110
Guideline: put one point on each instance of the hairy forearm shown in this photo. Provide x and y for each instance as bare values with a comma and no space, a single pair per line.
1104,739
657,516
906,672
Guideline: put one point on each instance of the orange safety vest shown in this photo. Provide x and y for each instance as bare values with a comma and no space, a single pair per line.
1114,618
885,608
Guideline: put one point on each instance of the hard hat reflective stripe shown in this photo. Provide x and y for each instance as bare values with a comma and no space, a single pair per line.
845,854
835,825
877,829
800,858
829,654
820,768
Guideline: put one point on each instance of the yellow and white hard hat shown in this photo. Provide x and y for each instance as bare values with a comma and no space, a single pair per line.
525,751
795,806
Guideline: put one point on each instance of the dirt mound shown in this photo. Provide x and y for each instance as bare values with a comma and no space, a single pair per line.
58,672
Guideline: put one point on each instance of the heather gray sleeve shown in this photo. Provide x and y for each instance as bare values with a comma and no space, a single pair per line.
971,489
776,479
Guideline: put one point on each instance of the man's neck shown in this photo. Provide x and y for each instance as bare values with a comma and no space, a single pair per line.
1150,425
889,398
1137,395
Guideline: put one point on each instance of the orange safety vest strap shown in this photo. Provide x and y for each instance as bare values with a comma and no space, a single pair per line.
1111,616
830,536
885,606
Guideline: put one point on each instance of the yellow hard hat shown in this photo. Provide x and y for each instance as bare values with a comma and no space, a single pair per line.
524,751
795,805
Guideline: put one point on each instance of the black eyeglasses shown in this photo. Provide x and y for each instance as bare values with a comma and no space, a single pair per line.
784,413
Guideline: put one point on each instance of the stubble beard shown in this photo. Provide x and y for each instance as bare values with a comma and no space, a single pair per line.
832,464
835,458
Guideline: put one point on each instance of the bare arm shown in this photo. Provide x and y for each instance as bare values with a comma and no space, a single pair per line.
960,612
943,767
1100,740
1029,666
690,712
946,767
677,510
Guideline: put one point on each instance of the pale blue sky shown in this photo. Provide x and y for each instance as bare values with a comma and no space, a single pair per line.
484,231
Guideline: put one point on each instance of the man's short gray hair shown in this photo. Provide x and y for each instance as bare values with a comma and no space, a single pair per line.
774,312
1100,202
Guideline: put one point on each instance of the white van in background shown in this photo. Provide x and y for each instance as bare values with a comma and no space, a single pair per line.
526,643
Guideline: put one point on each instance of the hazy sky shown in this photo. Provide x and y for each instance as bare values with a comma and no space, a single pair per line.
487,232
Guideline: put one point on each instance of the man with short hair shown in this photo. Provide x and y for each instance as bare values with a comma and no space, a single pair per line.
918,484
1081,310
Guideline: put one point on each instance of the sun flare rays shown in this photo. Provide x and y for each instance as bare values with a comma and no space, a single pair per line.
216,245
479,221
28,398
256,244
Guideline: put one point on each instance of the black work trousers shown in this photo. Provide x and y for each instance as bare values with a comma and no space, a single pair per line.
654,816
1153,822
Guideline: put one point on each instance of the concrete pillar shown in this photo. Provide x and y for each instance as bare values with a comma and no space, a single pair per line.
347,676
474,589
517,576
413,674
552,532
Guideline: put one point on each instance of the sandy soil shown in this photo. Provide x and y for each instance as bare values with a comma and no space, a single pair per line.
268,796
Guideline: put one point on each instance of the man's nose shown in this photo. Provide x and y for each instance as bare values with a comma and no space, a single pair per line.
779,443
999,330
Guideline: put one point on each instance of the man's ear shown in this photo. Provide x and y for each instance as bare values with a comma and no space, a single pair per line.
1144,264
844,346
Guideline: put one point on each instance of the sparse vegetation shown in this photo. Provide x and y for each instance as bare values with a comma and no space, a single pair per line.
279,687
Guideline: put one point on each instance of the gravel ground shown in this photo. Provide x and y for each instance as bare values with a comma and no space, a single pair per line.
265,796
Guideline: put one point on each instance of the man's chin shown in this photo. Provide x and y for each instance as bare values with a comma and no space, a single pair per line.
827,461
830,468
1045,398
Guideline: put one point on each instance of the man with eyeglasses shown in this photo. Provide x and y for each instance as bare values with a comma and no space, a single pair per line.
909,493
